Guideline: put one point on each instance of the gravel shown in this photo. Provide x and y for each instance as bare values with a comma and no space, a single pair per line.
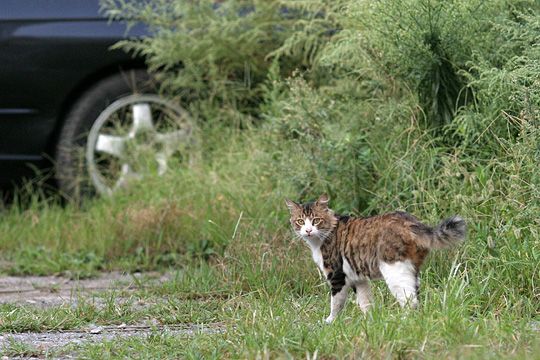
46,343
50,291
54,291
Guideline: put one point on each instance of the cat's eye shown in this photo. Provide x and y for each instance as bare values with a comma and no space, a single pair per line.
316,221
300,222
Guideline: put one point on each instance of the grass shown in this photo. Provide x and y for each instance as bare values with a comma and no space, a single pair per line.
236,263
222,228
152,225
277,311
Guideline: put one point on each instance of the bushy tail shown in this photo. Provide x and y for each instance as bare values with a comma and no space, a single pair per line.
449,232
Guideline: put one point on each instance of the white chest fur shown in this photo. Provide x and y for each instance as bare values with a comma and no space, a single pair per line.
316,254
317,257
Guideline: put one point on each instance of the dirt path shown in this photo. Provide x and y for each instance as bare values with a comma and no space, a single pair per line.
47,291
53,291
47,342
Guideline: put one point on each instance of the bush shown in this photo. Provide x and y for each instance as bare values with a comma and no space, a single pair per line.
507,89
215,55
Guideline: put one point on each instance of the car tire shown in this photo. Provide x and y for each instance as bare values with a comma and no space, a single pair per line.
70,164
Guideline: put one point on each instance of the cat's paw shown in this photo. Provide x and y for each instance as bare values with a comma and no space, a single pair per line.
329,319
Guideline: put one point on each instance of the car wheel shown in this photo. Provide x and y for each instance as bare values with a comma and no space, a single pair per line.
120,131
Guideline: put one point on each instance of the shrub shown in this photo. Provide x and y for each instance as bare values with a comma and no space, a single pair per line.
507,89
424,43
217,55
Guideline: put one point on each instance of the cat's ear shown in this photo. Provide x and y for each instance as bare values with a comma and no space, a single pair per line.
323,200
291,205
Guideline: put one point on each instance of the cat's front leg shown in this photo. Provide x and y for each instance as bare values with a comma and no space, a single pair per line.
337,302
339,289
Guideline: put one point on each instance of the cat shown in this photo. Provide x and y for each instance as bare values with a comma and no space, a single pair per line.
352,251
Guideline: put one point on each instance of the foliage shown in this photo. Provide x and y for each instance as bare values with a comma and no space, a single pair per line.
508,95
425,43
217,55
327,146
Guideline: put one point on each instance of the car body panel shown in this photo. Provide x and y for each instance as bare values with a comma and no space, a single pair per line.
50,51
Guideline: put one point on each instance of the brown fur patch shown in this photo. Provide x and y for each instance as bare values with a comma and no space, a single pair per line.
366,241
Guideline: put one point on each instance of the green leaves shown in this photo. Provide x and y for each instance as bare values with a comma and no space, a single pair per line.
216,56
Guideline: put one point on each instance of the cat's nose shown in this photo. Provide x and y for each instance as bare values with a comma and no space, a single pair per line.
308,231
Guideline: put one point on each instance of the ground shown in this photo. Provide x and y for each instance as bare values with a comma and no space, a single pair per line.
193,314
47,294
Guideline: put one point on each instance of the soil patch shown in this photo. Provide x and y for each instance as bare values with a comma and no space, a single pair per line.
48,291
56,291
41,344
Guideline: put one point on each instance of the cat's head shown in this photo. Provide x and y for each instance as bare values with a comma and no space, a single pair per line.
313,220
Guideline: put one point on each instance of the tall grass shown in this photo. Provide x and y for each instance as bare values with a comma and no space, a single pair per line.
195,211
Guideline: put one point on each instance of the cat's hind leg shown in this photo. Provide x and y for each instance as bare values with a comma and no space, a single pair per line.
401,278
364,297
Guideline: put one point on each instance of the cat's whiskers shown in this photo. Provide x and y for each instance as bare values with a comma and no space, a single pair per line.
324,235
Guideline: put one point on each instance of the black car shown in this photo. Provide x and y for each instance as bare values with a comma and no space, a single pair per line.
70,102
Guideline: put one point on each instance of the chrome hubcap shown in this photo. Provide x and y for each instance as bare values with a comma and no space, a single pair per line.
134,136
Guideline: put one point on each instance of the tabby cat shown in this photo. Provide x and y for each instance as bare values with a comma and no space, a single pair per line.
351,251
